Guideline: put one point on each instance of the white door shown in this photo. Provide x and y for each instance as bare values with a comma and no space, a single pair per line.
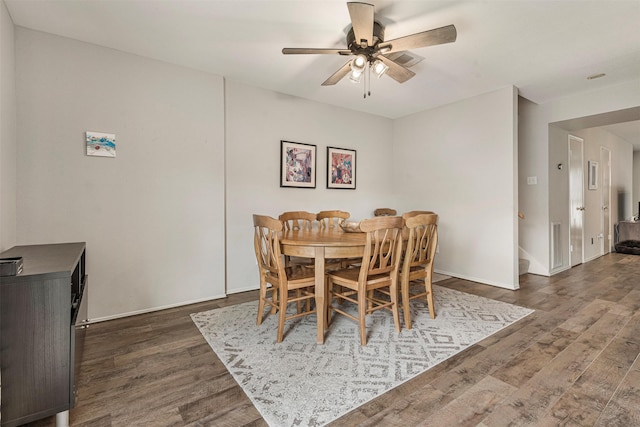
576,199
605,236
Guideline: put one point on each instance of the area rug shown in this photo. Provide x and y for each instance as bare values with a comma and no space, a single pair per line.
301,383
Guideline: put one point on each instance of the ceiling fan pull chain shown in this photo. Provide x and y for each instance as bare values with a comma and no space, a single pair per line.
364,84
369,80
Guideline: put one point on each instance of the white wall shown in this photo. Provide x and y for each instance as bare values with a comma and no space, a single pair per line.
256,121
534,141
152,217
7,133
533,200
460,160
621,185
558,179
621,169
8,142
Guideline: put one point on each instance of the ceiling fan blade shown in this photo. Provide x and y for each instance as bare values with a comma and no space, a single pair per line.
302,51
338,75
433,37
396,71
362,22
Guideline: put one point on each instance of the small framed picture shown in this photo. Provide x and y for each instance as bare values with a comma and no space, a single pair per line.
341,168
101,144
297,165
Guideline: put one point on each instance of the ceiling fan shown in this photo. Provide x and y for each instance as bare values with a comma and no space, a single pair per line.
365,41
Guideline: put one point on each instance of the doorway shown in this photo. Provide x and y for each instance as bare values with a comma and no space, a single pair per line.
576,200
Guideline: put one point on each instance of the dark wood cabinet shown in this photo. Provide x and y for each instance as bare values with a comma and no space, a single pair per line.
42,319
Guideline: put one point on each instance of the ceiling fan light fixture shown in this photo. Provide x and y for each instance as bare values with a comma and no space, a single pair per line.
355,76
379,68
359,63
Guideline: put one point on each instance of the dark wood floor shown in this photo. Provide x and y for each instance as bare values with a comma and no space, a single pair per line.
574,362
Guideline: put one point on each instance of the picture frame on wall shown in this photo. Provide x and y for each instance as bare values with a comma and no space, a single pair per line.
593,175
297,165
341,168
100,144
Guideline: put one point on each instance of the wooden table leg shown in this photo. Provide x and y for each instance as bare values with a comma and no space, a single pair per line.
321,308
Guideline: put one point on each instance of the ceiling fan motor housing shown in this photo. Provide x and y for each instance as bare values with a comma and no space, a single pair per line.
369,51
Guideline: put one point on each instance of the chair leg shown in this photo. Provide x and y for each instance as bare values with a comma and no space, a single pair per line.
369,300
393,290
328,302
406,307
282,314
328,297
298,303
263,295
274,298
432,309
362,312
428,285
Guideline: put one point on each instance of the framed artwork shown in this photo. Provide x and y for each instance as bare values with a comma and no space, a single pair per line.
101,144
297,165
341,168
593,175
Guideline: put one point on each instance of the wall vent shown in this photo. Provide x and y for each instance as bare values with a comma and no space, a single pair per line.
556,245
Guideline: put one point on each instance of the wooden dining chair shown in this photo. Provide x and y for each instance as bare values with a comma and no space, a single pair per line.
331,219
297,220
374,285
405,230
417,265
280,285
415,213
385,212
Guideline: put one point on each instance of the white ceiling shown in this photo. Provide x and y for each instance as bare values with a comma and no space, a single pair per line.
544,48
629,131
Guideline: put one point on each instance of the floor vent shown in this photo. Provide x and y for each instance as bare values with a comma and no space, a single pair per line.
556,245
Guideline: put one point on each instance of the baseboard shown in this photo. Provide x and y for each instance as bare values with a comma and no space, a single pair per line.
592,258
559,270
477,280
238,291
538,271
152,309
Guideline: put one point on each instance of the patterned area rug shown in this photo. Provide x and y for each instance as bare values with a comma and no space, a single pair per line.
301,383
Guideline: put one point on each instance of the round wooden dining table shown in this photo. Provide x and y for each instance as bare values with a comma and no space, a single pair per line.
322,244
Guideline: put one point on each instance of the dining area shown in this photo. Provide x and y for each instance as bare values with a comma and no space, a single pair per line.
326,264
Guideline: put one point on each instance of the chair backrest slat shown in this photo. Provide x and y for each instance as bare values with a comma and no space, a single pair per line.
415,213
267,244
422,241
331,219
383,249
297,220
